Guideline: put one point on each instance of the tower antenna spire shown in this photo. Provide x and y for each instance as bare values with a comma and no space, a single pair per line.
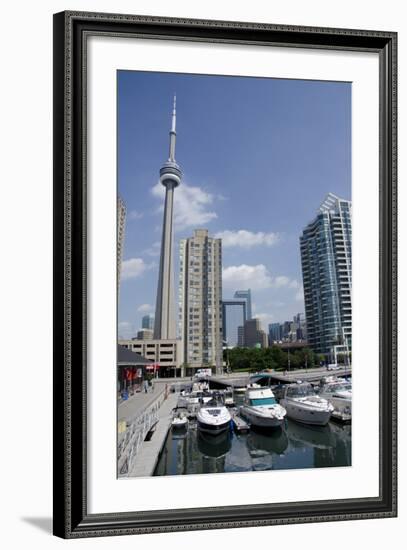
173,133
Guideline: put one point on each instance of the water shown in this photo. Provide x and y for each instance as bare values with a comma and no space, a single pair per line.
294,446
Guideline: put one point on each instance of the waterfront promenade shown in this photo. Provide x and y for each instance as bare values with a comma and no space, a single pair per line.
143,423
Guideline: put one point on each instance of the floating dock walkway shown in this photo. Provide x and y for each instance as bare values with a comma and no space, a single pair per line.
239,424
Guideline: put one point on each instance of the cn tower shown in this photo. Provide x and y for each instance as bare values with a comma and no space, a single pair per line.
170,177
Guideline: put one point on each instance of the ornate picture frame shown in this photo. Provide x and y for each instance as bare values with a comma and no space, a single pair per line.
71,33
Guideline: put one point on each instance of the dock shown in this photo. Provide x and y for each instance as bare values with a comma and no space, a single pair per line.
146,460
239,424
305,375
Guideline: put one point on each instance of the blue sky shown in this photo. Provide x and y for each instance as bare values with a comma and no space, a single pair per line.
258,157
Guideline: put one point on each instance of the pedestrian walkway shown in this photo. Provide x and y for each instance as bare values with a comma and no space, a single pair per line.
146,460
139,402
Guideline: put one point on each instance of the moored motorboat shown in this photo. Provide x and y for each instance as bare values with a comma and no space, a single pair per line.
179,421
303,405
339,393
261,409
228,397
213,417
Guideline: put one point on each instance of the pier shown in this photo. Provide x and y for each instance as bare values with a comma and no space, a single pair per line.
305,375
148,455
143,422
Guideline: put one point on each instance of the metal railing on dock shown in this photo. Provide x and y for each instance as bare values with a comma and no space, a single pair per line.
132,438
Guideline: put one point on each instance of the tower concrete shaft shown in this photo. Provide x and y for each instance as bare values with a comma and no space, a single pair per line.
170,177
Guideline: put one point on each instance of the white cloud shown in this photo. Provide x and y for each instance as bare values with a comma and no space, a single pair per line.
257,277
247,239
145,308
132,268
281,280
191,205
247,276
126,330
154,249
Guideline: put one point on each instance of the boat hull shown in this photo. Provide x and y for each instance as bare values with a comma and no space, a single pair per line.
306,415
213,428
260,421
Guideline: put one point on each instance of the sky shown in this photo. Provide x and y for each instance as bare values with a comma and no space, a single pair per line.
258,157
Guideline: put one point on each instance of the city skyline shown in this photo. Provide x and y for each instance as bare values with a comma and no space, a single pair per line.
259,231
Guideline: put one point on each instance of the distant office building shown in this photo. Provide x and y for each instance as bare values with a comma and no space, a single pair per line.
200,300
233,316
121,224
247,296
240,337
299,328
285,330
275,333
145,334
253,334
147,322
326,258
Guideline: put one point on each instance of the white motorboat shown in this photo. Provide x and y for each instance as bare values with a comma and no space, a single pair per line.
261,409
179,421
304,405
228,397
194,398
243,389
338,392
213,417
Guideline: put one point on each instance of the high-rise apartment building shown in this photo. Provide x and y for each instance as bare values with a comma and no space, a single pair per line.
326,258
233,316
200,300
121,224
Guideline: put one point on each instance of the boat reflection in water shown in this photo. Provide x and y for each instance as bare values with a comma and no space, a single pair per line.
265,447
214,446
293,446
320,437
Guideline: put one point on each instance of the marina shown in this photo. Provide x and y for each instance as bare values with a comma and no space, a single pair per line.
185,427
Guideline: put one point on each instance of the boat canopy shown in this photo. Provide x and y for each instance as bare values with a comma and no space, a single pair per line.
300,390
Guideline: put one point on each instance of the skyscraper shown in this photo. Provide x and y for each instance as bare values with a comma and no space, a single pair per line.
121,224
233,316
326,258
254,336
170,177
200,300
245,295
275,333
147,322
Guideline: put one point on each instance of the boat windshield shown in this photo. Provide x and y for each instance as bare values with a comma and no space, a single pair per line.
262,401
300,391
331,388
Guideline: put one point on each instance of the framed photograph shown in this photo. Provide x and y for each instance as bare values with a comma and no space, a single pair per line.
224,274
